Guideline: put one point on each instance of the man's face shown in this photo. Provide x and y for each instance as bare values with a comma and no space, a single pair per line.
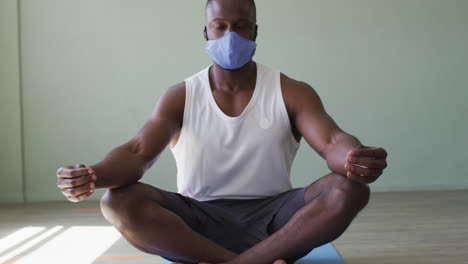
224,16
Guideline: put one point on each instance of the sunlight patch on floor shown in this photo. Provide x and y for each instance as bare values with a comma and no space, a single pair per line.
77,244
17,237
29,244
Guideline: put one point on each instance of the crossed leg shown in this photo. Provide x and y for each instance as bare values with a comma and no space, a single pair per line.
332,202
138,212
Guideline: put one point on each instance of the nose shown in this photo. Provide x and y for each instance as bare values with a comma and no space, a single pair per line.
230,28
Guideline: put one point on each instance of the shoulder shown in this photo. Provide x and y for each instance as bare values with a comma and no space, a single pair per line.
175,92
172,101
299,95
171,104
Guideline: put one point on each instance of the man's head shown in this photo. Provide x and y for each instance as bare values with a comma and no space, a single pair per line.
224,16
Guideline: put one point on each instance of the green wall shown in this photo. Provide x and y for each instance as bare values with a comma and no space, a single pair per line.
11,179
393,73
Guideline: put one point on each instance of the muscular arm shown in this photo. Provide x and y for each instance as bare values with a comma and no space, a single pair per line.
316,126
127,163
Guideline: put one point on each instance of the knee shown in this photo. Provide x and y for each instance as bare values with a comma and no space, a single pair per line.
347,196
117,204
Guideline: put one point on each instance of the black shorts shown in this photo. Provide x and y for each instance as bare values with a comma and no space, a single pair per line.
236,224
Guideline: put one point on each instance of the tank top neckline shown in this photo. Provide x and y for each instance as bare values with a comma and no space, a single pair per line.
239,118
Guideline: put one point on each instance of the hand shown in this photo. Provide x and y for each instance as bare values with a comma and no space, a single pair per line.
365,164
76,182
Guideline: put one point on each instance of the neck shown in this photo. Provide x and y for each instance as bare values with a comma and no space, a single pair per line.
233,80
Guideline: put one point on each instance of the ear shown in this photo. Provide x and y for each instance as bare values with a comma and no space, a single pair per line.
256,32
205,34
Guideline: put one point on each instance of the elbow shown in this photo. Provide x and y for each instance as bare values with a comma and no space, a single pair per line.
140,160
135,147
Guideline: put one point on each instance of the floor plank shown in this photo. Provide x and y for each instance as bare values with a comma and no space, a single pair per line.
395,227
409,227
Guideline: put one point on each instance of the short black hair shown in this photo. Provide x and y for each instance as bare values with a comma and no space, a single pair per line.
251,1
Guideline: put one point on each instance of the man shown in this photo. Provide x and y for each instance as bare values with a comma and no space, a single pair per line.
234,129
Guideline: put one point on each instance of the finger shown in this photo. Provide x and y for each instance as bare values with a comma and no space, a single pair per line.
81,197
378,153
75,182
360,179
73,173
78,190
364,172
60,170
366,162
82,166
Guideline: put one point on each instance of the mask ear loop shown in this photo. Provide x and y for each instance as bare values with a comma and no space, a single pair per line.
256,32
205,34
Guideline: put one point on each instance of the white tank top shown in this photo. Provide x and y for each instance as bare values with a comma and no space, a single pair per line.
243,157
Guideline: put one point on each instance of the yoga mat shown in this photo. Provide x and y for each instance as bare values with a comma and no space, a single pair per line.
325,254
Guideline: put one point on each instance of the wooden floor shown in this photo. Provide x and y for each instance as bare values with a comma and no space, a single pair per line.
397,227
409,227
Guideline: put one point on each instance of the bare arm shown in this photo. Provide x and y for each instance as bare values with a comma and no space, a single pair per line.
127,163
337,147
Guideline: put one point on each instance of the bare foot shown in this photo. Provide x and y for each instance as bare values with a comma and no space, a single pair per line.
198,263
279,261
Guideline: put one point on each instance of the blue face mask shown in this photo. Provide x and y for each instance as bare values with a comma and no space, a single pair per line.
231,51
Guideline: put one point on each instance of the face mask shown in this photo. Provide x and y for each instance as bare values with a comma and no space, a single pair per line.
231,51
